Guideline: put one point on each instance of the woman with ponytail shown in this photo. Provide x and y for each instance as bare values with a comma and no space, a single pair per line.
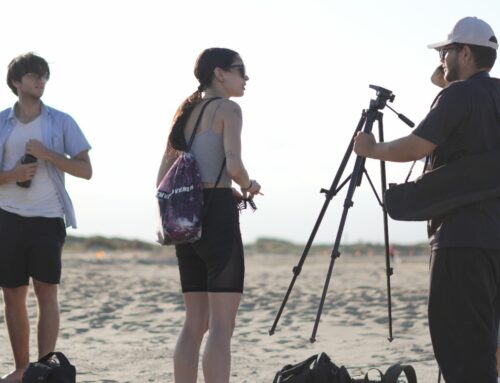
212,269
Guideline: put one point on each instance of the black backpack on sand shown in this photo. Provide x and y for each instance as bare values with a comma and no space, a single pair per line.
391,375
52,368
320,369
315,369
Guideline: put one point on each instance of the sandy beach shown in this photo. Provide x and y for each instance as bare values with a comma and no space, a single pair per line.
121,313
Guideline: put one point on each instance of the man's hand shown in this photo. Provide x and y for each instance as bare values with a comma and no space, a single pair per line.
364,144
37,149
437,77
24,172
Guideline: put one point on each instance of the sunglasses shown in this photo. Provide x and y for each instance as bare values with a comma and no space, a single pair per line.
240,68
444,51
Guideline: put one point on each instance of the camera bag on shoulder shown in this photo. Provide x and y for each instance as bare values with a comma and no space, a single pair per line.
52,368
316,369
467,180
180,197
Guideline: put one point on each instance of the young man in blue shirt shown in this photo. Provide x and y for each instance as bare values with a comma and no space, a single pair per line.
35,208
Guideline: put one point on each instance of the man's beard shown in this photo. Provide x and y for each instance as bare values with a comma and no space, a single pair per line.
451,72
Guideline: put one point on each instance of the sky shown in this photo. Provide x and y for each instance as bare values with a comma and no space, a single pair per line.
121,68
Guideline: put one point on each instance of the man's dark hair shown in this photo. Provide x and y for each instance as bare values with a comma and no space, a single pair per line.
26,63
484,57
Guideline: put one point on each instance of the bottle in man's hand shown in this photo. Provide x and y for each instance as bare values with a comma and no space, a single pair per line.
26,159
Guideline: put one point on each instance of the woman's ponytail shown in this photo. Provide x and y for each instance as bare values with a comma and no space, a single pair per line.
176,138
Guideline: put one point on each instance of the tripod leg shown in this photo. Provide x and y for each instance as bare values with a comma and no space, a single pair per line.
389,270
329,195
355,179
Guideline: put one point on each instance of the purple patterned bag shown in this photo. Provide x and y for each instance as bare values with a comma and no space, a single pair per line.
180,200
180,197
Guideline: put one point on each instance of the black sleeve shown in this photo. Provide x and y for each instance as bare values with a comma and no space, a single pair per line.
448,111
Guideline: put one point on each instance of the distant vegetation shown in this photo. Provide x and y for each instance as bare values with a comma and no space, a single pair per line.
97,243
276,246
260,246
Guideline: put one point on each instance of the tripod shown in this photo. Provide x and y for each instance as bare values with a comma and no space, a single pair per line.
366,121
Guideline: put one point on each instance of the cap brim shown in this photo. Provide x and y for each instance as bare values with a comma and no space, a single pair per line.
440,44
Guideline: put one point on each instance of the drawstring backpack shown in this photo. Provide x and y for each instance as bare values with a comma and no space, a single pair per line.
180,197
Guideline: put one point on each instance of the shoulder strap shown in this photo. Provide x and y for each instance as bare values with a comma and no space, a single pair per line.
394,372
63,361
292,370
366,379
220,172
205,208
191,139
427,163
45,358
189,147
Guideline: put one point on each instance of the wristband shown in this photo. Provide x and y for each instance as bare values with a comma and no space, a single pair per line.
248,188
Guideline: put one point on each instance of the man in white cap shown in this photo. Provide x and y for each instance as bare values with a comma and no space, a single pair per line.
464,297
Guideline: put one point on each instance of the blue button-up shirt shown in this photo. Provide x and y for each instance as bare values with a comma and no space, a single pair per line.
61,134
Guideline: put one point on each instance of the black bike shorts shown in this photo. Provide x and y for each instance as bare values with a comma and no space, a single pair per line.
214,263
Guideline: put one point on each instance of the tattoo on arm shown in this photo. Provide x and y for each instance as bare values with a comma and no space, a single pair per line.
230,154
237,112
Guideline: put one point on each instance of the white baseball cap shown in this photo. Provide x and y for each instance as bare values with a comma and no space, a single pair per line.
471,31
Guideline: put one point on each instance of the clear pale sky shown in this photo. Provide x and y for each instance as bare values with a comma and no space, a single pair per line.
121,68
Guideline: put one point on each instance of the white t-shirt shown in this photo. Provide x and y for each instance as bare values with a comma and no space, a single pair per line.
41,198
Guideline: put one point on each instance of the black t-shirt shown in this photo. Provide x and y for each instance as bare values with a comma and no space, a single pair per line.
465,119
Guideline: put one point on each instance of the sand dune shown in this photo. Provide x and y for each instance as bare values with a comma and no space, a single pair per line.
121,314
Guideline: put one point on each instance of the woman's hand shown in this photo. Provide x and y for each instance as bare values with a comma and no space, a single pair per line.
251,190
237,194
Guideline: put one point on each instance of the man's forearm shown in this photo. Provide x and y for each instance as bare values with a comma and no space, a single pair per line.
404,149
75,166
7,177
394,151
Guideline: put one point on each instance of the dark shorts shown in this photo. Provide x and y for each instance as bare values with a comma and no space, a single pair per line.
214,263
464,312
30,247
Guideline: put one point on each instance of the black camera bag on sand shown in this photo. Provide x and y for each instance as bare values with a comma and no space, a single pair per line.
467,180
315,369
320,369
391,375
52,368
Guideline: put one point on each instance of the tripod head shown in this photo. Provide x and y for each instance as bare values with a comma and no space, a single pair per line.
384,95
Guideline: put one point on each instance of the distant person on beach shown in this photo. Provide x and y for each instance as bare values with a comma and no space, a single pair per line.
464,296
35,207
212,269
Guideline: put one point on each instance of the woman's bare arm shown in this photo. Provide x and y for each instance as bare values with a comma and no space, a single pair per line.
232,125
